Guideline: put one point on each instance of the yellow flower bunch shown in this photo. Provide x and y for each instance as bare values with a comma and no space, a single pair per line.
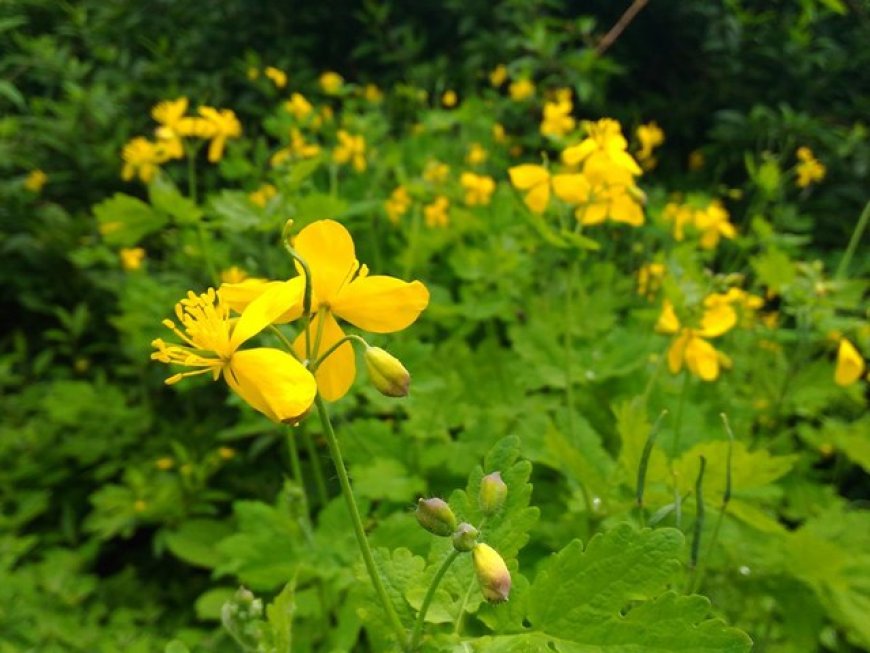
809,169
350,149
398,204
478,188
278,76
298,148
282,385
476,154
436,213
599,181
449,99
436,172
331,82
298,106
649,136
262,195
35,180
373,94
557,120
649,279
690,346
142,158
498,75
131,258
521,89
710,221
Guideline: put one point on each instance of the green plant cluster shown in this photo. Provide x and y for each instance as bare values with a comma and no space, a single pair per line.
646,510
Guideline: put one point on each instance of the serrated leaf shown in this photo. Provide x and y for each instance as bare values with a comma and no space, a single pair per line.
124,220
386,478
612,598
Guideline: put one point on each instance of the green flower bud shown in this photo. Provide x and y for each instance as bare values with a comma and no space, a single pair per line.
436,516
387,373
465,537
492,573
493,492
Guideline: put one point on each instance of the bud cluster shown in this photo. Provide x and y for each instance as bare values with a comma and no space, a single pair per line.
436,516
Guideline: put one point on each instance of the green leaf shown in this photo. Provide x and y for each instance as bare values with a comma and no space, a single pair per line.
165,197
385,478
176,646
279,613
580,241
234,212
318,206
208,604
194,541
124,220
612,598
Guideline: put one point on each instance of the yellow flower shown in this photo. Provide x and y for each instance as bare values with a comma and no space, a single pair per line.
436,213
850,364
436,172
350,149
498,75
298,106
649,278
690,346
476,154
35,180
611,194
131,258
298,149
278,77
225,125
498,133
233,274
331,82
713,224
809,169
252,73
142,158
537,182
520,90
604,145
170,112
342,288
262,195
478,188
269,380
557,119
373,94
650,136
449,99
195,127
492,573
681,215
398,204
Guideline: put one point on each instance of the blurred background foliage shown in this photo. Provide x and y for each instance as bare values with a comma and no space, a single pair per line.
89,565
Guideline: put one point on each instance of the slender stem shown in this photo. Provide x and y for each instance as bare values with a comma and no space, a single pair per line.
620,26
675,446
307,293
335,346
296,467
356,520
457,627
853,242
319,481
430,594
284,341
411,251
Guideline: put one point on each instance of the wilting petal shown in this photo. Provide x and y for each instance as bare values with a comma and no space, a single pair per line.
527,175
327,248
702,359
381,304
272,382
336,374
275,302
850,364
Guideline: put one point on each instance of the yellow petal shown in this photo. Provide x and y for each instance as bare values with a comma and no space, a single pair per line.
381,304
702,359
327,248
538,198
238,295
276,301
573,189
573,155
335,375
850,364
527,175
677,352
594,213
717,319
668,321
272,382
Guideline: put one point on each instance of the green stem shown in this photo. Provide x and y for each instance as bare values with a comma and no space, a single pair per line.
356,520
853,242
678,423
319,480
430,594
306,296
411,251
335,346
457,627
296,467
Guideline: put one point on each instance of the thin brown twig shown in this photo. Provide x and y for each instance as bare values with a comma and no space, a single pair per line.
620,26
